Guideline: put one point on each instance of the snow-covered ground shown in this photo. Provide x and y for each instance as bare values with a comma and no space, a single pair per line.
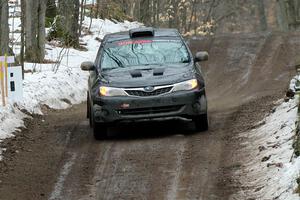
55,86
270,168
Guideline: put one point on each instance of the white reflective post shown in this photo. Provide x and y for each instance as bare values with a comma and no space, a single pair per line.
5,73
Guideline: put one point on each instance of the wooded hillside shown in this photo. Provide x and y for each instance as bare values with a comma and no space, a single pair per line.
205,16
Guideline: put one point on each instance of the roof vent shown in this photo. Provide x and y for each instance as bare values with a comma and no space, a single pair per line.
141,32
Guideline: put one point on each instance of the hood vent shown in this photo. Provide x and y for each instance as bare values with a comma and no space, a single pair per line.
135,73
158,72
138,73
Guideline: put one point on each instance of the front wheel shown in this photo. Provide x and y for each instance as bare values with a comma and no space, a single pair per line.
100,130
201,122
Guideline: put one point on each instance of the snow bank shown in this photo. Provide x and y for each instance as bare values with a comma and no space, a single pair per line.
294,84
58,87
270,167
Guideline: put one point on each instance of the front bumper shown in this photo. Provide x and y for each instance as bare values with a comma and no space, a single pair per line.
186,104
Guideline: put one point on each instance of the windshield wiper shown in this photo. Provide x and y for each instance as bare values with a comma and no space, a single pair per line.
119,63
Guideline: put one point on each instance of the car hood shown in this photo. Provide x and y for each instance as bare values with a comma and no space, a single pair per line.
150,76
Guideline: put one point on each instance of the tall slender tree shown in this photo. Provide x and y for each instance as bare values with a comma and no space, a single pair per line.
262,15
4,28
289,14
22,50
69,14
35,11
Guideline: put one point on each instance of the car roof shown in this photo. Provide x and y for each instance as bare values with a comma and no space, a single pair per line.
158,32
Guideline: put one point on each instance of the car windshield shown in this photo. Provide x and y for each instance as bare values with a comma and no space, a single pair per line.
128,53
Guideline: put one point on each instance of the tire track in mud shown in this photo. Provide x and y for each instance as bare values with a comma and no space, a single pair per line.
62,178
139,170
172,192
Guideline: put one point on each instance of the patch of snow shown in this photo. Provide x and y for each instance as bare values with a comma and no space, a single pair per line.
294,84
270,167
10,118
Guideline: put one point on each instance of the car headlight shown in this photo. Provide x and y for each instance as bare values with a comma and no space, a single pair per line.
111,92
186,85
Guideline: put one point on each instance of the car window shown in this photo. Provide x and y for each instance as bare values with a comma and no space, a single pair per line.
127,53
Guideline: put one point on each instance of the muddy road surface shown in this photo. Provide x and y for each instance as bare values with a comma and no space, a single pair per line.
56,157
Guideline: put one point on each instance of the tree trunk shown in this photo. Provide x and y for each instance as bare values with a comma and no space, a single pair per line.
41,34
262,15
35,11
157,12
294,21
184,19
22,51
91,16
176,16
145,12
192,15
75,25
29,36
97,13
282,15
82,5
132,8
4,33
69,12
288,16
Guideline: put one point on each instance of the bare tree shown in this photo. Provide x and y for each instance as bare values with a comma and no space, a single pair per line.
69,12
82,9
262,15
22,51
4,33
35,11
289,14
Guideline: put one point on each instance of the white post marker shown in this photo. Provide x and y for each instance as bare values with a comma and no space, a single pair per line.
15,84
2,82
13,79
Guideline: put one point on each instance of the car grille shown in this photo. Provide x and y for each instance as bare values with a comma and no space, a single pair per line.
151,110
156,92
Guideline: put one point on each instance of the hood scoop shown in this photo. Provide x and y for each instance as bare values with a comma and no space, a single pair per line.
136,74
158,72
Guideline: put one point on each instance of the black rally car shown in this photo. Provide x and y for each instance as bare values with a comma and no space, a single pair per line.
145,73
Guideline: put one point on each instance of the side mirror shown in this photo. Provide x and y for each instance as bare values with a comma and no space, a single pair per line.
87,66
201,56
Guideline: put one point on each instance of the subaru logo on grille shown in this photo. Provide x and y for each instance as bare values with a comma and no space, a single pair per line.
149,89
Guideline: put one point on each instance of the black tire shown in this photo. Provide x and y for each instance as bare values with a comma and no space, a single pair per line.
88,105
100,130
89,112
201,122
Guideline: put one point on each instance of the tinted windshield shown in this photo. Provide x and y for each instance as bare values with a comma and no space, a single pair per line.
128,53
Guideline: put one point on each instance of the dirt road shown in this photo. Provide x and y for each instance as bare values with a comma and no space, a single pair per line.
57,158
